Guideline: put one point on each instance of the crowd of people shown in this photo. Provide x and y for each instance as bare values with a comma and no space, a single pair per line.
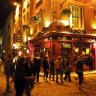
26,71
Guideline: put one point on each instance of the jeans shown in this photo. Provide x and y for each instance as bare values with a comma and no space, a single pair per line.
59,72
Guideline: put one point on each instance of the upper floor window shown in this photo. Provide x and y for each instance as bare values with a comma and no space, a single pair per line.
77,17
38,2
25,4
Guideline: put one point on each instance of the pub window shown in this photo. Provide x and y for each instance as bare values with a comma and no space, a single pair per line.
77,17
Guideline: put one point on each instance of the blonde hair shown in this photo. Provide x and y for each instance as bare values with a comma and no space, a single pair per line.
59,57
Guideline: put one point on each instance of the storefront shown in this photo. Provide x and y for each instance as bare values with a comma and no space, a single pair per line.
54,44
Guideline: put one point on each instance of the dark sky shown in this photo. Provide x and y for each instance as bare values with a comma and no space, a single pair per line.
6,7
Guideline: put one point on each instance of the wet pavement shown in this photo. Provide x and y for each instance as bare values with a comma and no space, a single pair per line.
50,88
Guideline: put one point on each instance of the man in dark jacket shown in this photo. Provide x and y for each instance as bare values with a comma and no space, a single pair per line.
79,70
19,76
29,82
37,64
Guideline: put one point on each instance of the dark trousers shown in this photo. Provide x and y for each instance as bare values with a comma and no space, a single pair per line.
52,74
67,76
46,73
37,75
7,82
80,76
28,85
91,67
59,72
19,87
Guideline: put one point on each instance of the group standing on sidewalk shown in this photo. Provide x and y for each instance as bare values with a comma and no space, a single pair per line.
27,71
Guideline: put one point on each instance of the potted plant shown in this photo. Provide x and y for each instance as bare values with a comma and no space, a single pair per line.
36,19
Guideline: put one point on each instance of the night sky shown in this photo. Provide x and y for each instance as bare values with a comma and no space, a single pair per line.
6,7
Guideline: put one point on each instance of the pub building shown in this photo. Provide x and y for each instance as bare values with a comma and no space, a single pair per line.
59,40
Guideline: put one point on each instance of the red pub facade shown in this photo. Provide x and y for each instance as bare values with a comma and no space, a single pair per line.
55,44
64,27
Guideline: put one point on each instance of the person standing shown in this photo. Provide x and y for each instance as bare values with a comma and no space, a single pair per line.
29,83
67,70
90,61
7,67
45,67
58,67
37,65
19,76
52,69
79,70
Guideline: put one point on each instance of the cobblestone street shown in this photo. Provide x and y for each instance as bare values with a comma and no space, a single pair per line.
51,88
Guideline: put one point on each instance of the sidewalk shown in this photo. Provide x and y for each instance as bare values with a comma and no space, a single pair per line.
74,74
51,88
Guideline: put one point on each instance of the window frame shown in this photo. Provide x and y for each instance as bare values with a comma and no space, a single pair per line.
78,14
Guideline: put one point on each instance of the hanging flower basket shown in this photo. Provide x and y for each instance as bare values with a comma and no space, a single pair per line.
66,11
36,19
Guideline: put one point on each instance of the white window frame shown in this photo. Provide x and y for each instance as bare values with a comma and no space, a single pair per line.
77,17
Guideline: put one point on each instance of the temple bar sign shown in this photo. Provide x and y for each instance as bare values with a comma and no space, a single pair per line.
66,45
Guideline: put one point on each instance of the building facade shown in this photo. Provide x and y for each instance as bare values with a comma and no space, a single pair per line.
53,28
64,27
8,35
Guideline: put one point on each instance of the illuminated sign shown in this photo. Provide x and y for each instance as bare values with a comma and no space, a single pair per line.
67,45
